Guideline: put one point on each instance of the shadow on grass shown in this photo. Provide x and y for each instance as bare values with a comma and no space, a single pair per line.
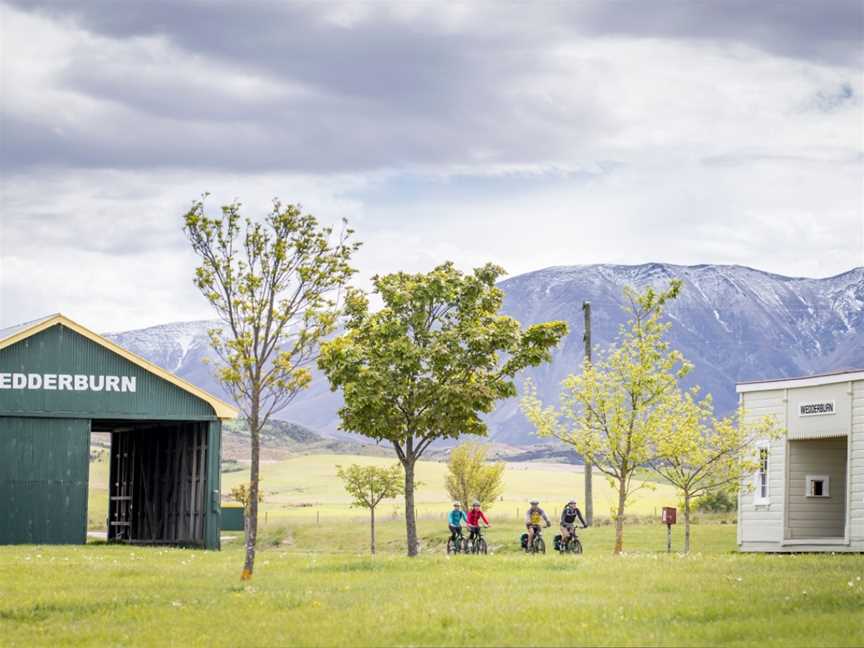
39,612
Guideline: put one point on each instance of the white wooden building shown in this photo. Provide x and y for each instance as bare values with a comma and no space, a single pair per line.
808,494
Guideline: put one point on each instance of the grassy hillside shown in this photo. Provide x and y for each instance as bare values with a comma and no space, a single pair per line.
306,594
303,488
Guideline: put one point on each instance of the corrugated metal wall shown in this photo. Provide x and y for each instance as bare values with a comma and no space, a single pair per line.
43,480
45,435
59,350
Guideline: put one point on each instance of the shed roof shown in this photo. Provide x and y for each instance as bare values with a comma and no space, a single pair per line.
813,380
19,332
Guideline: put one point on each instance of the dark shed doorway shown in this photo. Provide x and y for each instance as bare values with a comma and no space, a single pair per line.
157,481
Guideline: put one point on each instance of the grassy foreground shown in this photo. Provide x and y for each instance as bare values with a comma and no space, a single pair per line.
117,595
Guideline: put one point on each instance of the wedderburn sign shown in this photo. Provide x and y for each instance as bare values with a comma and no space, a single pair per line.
816,409
66,382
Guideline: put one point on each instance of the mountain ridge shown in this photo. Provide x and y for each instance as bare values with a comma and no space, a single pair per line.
735,323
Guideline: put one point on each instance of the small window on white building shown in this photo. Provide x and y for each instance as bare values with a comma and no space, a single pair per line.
762,494
818,486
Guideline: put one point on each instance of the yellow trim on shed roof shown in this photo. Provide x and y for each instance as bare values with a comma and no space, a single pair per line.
222,409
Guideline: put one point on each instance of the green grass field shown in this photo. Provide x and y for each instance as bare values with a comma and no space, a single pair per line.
314,585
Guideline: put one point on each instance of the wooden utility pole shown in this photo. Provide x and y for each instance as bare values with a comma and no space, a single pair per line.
589,490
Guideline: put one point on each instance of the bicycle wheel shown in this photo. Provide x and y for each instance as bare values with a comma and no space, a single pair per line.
451,546
466,546
575,546
539,545
480,546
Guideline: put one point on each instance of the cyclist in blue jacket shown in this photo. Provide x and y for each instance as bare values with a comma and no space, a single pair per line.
454,520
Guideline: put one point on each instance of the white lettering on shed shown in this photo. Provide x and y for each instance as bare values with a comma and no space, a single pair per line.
67,382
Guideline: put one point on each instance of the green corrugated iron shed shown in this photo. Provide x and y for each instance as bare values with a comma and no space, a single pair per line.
59,382
233,517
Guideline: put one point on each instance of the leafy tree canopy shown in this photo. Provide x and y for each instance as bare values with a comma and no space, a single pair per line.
368,485
469,477
433,359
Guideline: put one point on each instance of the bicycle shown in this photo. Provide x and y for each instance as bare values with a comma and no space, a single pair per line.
457,544
572,544
538,545
476,543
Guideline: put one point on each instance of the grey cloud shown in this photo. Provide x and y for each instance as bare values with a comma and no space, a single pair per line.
834,99
821,157
266,33
344,99
831,31
384,92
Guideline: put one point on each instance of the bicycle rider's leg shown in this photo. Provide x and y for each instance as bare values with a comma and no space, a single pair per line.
530,535
565,533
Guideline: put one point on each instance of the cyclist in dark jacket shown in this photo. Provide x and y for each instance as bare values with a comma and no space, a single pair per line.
569,516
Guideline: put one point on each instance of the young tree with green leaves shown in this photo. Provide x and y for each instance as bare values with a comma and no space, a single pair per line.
469,477
430,362
698,453
613,412
368,485
274,286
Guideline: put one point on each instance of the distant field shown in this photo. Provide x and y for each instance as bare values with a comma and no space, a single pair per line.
97,505
306,488
303,487
314,586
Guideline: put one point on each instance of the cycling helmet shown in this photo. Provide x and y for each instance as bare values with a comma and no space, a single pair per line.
475,503
457,504
535,502
573,502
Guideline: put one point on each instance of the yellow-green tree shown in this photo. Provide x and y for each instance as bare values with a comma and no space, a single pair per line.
240,494
368,485
613,411
699,453
273,285
469,477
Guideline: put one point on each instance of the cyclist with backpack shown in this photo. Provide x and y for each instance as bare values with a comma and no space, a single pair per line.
569,516
475,515
533,517
454,520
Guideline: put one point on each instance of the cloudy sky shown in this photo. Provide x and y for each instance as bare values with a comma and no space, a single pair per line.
526,134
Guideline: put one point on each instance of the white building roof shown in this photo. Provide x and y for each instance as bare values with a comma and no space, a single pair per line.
814,380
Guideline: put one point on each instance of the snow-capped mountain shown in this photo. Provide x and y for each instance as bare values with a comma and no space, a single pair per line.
734,323
180,347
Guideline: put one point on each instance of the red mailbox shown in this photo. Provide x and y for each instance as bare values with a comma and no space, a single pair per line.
668,515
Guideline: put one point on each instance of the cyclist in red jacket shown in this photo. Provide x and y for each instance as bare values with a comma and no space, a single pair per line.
475,515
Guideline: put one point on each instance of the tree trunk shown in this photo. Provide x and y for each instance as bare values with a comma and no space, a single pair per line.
686,522
619,518
251,525
410,521
589,495
372,527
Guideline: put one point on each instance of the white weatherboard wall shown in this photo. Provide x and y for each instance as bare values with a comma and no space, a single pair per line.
828,437
762,523
856,466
